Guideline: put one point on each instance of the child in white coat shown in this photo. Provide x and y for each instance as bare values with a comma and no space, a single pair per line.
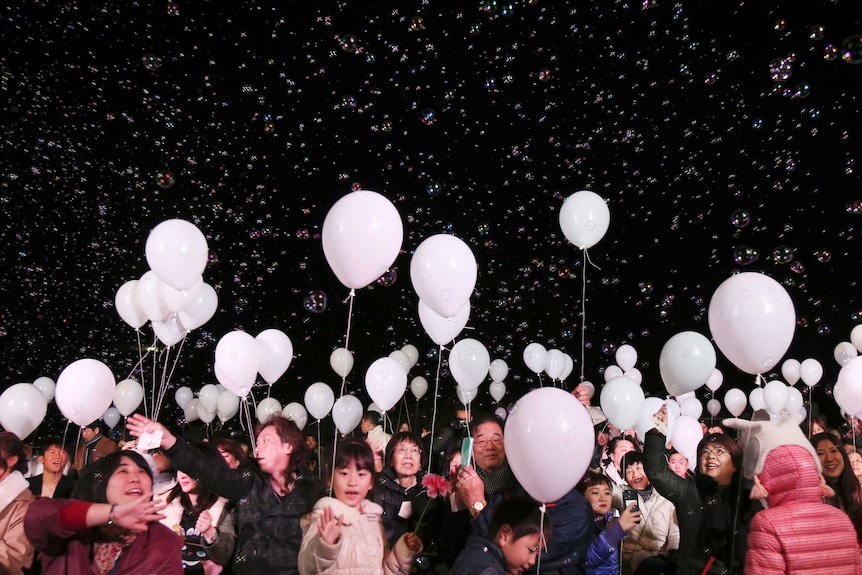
343,535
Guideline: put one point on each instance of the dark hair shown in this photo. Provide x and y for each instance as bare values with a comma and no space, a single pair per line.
404,437
482,419
233,447
593,478
354,451
371,417
50,442
10,446
523,515
849,491
206,498
288,432
630,459
96,425
92,485
726,442
612,446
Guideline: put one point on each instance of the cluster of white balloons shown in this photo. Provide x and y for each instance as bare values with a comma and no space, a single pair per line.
626,357
848,389
171,294
554,363
212,401
240,357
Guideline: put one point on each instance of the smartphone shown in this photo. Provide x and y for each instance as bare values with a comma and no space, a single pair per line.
630,496
466,452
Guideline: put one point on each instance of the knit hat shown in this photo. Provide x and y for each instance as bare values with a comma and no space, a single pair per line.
758,437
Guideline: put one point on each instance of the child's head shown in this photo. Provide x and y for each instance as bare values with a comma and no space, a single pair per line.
519,530
354,471
597,490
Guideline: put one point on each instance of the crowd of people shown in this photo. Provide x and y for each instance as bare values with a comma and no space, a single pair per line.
761,497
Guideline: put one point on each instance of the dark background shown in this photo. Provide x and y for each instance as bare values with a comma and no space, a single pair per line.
723,135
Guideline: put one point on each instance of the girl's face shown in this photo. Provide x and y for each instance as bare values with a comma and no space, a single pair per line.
520,554
831,459
599,496
678,463
406,458
232,461
816,428
127,483
350,485
622,447
187,484
715,461
856,464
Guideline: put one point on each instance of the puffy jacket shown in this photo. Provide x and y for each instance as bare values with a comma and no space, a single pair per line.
361,548
603,556
798,534
657,533
389,494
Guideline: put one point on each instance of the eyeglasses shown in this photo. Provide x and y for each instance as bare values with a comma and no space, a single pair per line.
412,451
716,453
483,443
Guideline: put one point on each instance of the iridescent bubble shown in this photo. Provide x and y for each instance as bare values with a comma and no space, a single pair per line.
491,6
508,79
431,353
710,79
433,188
417,23
567,333
830,52
315,302
483,228
490,83
740,218
645,287
745,255
165,179
802,91
856,315
779,25
302,234
609,348
823,256
851,49
757,123
151,62
824,330
348,101
782,254
348,43
355,186
564,272
816,32
428,116
173,10
388,278
797,267
386,125
507,9
475,29
780,69
544,75
853,207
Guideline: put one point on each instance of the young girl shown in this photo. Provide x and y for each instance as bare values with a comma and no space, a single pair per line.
516,536
343,534
603,555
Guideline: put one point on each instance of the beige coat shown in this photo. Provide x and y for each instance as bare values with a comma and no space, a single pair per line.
657,532
16,552
361,549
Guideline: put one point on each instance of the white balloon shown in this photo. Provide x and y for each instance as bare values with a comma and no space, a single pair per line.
810,371
169,331
85,389
469,362
715,380
498,370
501,413
498,390
735,401
276,354
177,252
208,397
591,389
227,405
237,361
644,423
126,302
534,356
584,218
149,297
844,352
635,375
201,310
128,395
386,382
22,409
341,361
319,399
266,408
570,365
687,360
612,372
418,386
856,337
441,329
183,395
790,371
190,411
465,396
626,357
111,417
691,407
621,400
402,358
794,400
555,363
411,352
297,413
755,399
346,413
775,396
713,406
443,272
47,386
204,414
687,434
178,300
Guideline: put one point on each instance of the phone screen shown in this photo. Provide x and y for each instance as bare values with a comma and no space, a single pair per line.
466,452
630,497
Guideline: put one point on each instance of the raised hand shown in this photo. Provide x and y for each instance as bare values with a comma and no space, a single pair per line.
329,526
630,517
138,425
136,514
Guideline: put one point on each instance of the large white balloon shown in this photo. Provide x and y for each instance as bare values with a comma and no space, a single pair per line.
178,300
441,329
790,371
498,370
205,414
190,411
386,382
755,399
402,358
237,361
128,395
794,400
687,434
715,380
418,386
535,355
47,386
201,309
584,218
85,389
177,252
362,235
811,371
126,302
208,397
687,360
22,409
276,353
346,413
443,272
266,408
296,413
692,407
621,400
549,442
752,320
341,361
775,395
319,399
469,361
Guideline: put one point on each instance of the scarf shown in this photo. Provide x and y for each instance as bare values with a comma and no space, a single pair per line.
107,553
11,487
496,479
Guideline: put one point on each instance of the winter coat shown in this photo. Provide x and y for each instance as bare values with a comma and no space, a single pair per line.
603,556
389,494
361,547
63,490
223,513
16,551
656,534
58,530
705,513
269,525
481,556
103,446
572,520
798,534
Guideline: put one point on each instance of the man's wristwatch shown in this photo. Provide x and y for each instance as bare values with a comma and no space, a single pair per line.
477,508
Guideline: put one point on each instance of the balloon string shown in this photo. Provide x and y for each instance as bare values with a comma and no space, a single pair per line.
434,409
166,381
350,299
155,370
583,313
542,541
245,415
140,363
166,353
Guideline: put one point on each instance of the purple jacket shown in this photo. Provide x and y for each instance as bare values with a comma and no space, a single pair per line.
57,530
